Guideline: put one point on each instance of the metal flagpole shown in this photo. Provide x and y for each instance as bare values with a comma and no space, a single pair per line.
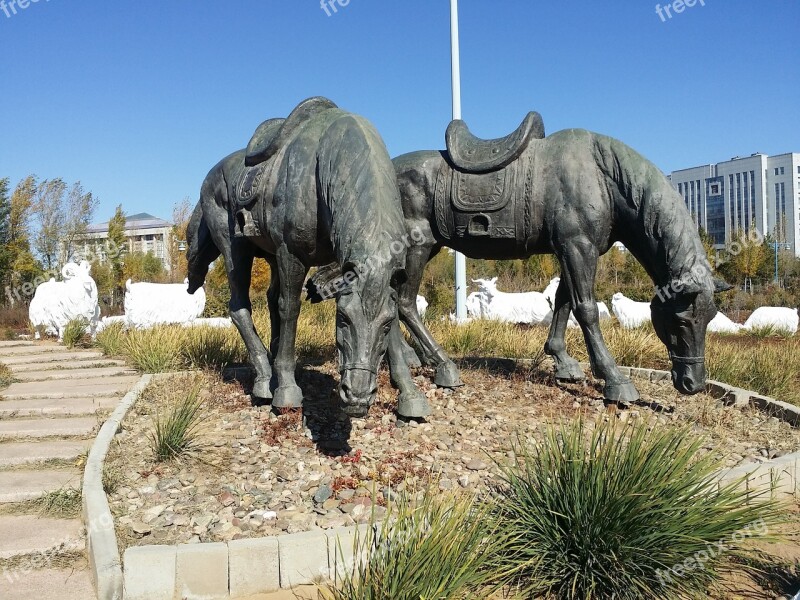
461,260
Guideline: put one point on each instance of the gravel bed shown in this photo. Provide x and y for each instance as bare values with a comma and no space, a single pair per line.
255,474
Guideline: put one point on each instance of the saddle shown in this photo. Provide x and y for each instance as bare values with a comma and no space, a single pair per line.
271,135
267,140
474,155
485,190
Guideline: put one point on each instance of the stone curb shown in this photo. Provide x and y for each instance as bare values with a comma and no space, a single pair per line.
729,394
101,538
242,568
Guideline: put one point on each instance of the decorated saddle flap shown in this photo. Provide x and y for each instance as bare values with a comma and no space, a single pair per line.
496,205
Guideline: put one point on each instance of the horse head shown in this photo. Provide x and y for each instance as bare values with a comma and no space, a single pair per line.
366,310
681,314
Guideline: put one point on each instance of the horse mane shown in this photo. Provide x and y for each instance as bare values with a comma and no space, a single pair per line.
659,209
353,166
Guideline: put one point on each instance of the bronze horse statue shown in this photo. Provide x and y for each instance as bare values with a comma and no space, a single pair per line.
316,187
572,194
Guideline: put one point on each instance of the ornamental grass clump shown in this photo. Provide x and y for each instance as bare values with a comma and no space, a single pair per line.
177,427
75,333
155,350
6,376
623,513
440,547
111,339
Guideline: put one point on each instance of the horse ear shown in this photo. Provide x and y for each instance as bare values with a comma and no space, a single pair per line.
721,286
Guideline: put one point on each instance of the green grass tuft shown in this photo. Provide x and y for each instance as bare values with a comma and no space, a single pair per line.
622,513
177,427
111,340
438,548
6,376
75,333
156,350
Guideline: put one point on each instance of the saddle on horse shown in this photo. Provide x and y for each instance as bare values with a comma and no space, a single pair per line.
267,140
485,189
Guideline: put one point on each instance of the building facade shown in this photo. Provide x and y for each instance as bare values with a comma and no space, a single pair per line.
759,193
143,233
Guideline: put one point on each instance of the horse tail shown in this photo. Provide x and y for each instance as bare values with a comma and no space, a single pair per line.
201,250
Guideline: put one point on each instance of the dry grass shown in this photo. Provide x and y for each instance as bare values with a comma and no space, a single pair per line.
6,376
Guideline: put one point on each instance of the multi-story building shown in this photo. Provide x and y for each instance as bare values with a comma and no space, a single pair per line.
758,192
143,233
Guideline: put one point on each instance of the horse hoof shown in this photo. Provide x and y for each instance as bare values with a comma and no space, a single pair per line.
411,358
448,376
413,405
570,373
621,392
261,389
288,396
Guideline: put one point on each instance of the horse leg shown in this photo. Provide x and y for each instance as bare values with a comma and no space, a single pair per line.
412,403
578,266
291,275
241,315
447,374
273,294
567,368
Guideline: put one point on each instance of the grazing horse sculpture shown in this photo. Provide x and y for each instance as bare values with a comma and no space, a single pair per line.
316,187
572,194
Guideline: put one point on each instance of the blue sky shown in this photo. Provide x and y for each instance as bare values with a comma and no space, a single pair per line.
138,100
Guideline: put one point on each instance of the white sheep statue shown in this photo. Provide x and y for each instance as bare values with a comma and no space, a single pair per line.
56,303
149,304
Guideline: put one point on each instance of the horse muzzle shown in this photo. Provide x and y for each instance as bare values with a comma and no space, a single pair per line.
357,390
688,374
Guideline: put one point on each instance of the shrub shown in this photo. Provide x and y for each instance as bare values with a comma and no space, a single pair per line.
75,332
156,350
6,376
111,339
212,347
176,428
441,548
609,515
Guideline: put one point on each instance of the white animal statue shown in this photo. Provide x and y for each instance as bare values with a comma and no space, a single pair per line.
107,321
722,324
530,308
213,322
782,319
629,313
56,303
149,304
550,293
422,305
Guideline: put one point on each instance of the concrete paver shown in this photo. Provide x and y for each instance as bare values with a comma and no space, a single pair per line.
47,584
23,535
49,357
15,454
45,407
76,388
70,374
20,429
24,485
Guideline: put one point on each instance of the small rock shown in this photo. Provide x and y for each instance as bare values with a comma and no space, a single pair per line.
476,465
141,529
323,494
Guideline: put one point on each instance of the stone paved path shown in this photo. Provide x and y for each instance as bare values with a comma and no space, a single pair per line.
48,419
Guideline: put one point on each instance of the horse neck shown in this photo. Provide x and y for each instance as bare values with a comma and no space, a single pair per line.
666,246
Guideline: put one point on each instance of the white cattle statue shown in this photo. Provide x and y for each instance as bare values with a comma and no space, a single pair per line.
781,319
629,313
550,293
56,303
530,308
722,324
149,304
422,305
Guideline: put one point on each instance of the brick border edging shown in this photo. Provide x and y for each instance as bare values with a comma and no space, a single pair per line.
101,538
246,567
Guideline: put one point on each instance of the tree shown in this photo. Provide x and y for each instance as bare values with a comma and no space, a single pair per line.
747,258
181,213
116,249
708,246
5,226
63,215
23,267
140,266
